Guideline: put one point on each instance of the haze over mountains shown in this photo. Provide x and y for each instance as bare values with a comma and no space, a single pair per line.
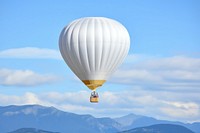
51,119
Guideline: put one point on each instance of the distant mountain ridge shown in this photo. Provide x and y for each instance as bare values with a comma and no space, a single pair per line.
160,128
132,121
31,130
51,119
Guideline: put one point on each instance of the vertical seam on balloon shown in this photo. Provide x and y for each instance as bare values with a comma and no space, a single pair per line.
94,48
62,47
95,43
127,41
115,52
103,48
115,62
77,39
70,48
74,67
101,58
87,25
110,45
77,25
97,66
123,50
91,53
78,46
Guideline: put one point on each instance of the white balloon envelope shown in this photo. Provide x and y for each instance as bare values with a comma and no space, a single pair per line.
93,47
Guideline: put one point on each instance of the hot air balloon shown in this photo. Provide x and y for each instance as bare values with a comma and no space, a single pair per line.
93,47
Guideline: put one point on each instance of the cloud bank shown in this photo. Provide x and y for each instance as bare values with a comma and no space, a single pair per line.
168,73
10,77
113,104
30,53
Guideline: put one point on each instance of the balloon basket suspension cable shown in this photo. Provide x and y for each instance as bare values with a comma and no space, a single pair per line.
94,97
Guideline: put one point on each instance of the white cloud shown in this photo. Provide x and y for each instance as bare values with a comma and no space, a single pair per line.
184,110
31,98
10,77
30,52
162,105
169,73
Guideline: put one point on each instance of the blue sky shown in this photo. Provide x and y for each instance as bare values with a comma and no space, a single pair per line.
160,73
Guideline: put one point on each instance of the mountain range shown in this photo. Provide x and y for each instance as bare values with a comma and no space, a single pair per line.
132,121
30,130
51,119
160,128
